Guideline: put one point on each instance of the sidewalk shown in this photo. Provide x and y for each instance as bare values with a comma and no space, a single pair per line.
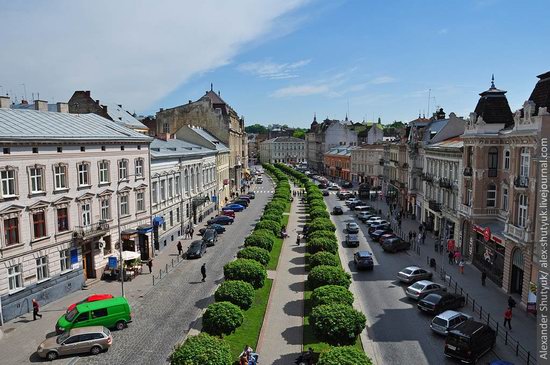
490,297
281,336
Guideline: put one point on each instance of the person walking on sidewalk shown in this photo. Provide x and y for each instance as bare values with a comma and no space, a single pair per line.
457,256
483,277
150,265
203,272
298,239
461,266
451,257
35,309
191,232
180,249
511,302
508,318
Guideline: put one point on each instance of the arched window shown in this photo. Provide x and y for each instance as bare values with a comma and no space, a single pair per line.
193,179
522,210
491,195
524,162
493,162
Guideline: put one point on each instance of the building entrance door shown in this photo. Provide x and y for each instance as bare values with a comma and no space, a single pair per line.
517,272
88,261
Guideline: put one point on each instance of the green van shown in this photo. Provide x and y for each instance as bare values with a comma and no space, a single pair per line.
110,313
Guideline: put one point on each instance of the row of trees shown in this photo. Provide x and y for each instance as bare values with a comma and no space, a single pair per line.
236,294
333,318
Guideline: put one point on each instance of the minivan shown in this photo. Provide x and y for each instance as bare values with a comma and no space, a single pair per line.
447,320
469,341
110,313
90,340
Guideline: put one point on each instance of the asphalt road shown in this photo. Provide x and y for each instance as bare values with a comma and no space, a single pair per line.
400,332
171,309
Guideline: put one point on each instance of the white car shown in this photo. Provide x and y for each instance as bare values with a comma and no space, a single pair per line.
352,201
411,274
422,288
373,219
447,320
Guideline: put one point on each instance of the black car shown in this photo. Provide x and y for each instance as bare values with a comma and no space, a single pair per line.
337,211
395,244
221,219
322,186
469,341
210,236
218,227
363,260
440,301
352,240
251,195
347,184
196,249
325,193
376,234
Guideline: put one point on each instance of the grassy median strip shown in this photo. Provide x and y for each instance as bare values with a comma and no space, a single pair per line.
249,331
277,245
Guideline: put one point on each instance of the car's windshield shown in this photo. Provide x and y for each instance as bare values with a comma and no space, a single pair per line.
439,321
458,341
71,315
417,286
432,298
62,337
195,244
407,271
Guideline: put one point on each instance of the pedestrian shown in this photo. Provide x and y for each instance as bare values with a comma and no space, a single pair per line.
186,233
511,302
508,318
150,265
180,249
451,257
203,272
410,236
35,309
483,277
298,239
191,232
461,266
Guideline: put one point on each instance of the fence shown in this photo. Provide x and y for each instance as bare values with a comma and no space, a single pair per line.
484,316
169,267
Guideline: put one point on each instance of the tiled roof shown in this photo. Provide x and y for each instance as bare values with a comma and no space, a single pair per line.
541,93
493,107
52,126
122,117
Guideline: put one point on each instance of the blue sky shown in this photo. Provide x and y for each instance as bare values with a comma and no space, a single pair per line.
277,61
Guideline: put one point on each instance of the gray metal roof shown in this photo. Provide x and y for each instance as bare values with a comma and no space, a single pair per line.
22,124
177,148
210,138
123,117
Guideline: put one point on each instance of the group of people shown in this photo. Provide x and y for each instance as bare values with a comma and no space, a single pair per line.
283,232
189,231
420,237
248,356
299,192
455,258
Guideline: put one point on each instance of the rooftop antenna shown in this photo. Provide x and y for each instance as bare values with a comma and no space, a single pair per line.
429,98
211,86
348,110
24,90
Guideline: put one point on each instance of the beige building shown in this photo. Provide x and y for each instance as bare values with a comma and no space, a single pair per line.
65,182
366,166
214,115
283,149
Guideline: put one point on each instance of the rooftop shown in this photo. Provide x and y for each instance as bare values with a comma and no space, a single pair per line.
123,117
541,93
493,106
176,148
210,138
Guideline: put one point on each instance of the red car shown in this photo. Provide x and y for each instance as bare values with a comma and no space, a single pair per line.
229,213
91,298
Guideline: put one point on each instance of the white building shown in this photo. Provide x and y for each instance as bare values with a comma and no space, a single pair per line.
59,178
283,149
366,166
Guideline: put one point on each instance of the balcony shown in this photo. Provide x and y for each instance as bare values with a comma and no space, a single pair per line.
467,171
91,231
434,205
465,209
405,165
445,183
518,234
427,177
521,182
492,172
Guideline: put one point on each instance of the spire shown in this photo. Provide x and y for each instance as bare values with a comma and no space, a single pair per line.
211,86
493,81
346,117
315,117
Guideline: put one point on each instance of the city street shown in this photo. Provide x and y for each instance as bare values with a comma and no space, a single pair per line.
399,331
162,314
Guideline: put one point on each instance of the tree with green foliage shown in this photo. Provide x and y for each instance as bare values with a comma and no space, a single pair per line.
200,350
328,275
237,292
222,318
247,270
256,128
331,294
337,324
299,133
344,355
323,258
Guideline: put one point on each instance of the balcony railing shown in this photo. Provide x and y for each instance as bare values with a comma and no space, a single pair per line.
434,205
467,171
465,209
445,183
93,230
492,172
405,165
521,182
518,234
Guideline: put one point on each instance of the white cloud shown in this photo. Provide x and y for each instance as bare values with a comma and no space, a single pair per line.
271,70
303,90
382,80
126,51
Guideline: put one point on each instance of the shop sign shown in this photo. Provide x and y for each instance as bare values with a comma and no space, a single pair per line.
487,234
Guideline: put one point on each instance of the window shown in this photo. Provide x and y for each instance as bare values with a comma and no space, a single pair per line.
6,151
186,182
82,149
35,150
124,205
122,169
98,313
86,214
42,271
15,277
83,174
139,167
103,171
154,192
522,211
492,162
103,148
37,179
178,185
524,163
163,190
8,182
165,128
122,148
39,224
11,230
177,215
105,209
171,218
170,188
139,147
59,149
60,177
491,195
62,220
140,201
507,160
65,260
505,199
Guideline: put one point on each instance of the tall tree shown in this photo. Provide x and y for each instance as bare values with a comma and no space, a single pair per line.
256,128
299,133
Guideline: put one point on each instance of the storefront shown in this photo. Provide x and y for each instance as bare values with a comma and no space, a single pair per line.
489,253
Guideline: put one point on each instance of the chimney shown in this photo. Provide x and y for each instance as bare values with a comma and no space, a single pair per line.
190,101
440,114
41,105
97,101
62,107
161,110
87,93
5,102
219,93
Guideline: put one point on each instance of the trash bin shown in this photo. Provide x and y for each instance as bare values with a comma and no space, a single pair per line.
432,263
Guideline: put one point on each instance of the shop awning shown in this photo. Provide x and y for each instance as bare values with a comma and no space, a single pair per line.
128,234
145,228
126,255
158,221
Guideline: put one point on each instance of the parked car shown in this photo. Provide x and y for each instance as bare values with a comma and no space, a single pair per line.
91,298
337,211
363,260
376,234
92,340
440,301
412,274
351,201
373,219
218,227
422,288
325,192
386,236
244,197
110,313
395,244
378,226
251,194
196,249
234,207
352,240
352,227
259,180
344,194
220,219
347,184
322,186
362,208
363,216
334,187
447,320
469,341
210,236
229,213
242,202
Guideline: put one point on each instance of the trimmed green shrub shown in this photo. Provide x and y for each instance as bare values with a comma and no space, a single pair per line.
331,294
344,355
323,234
247,270
337,324
273,211
254,253
318,213
323,258
328,275
273,226
222,318
321,224
272,217
200,350
237,292
315,245
259,240
264,232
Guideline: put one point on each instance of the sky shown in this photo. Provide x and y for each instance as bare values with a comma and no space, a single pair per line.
276,61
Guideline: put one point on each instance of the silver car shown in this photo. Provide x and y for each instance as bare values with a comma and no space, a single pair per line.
447,320
412,274
92,340
422,288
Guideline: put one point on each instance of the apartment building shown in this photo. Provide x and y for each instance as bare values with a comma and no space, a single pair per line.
283,149
367,164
